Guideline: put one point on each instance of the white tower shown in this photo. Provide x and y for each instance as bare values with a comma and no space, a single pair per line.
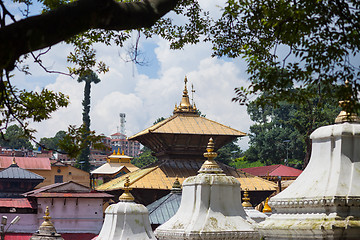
122,123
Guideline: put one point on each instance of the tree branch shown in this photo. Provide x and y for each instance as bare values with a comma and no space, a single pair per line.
48,29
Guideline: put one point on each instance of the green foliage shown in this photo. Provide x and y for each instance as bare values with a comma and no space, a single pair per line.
53,142
285,129
228,153
145,158
243,163
15,138
73,143
309,43
23,106
88,77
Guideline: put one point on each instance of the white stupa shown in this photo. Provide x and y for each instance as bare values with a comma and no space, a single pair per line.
210,207
126,220
324,201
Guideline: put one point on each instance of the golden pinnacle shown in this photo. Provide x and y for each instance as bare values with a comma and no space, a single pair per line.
246,199
210,166
127,196
47,218
267,208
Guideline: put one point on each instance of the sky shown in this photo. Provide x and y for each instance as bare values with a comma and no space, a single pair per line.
143,93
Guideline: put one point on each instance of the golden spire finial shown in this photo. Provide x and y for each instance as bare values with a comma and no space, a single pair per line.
122,152
118,151
176,187
246,199
210,166
184,106
127,196
344,116
267,208
47,218
114,152
14,162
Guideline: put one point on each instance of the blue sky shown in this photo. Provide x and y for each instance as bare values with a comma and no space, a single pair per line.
144,93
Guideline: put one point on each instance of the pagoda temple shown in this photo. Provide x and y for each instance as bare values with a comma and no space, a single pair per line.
178,143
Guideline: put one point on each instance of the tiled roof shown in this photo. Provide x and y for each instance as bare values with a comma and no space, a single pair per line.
15,172
190,124
70,195
67,189
164,208
273,170
17,203
65,236
29,163
162,174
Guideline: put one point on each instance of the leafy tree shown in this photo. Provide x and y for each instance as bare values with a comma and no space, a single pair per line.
88,77
286,129
305,43
145,158
15,138
53,142
228,153
243,163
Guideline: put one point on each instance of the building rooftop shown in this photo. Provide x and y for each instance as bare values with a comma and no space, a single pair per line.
273,170
29,163
15,172
162,174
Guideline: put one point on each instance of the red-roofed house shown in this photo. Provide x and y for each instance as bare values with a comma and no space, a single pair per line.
273,172
76,210
56,172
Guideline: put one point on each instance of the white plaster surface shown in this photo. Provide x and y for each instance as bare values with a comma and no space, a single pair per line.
324,201
255,214
126,221
210,209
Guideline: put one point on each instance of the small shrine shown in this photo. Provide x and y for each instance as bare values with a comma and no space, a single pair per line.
324,201
15,180
126,220
117,165
210,207
178,144
46,230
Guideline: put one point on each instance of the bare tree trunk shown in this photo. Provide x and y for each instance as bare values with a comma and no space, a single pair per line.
37,32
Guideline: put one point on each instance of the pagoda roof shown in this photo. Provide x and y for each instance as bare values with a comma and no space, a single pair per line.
15,172
189,124
162,174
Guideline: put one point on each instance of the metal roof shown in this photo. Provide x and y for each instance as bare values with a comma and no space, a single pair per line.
190,124
66,190
30,163
164,208
65,236
17,203
273,170
112,168
70,195
15,172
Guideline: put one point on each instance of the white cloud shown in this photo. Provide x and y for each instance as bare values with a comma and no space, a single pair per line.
141,97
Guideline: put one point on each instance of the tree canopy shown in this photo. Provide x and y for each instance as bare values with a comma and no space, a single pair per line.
305,43
14,138
282,134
